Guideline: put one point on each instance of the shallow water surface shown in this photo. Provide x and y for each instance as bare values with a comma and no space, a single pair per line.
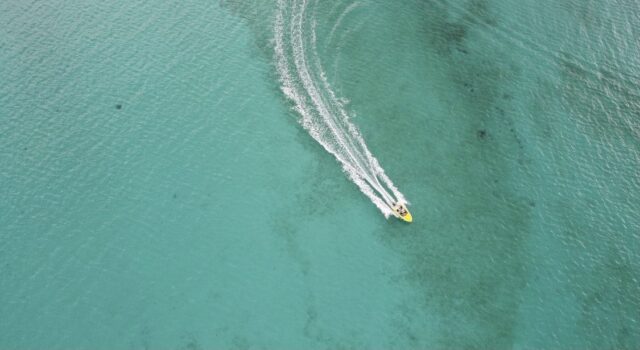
166,185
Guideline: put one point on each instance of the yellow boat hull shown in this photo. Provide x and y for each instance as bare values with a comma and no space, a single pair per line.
407,217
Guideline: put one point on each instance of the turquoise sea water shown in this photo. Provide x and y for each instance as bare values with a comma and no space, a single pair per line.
157,189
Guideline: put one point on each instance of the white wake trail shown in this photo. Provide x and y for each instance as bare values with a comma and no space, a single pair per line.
323,115
344,14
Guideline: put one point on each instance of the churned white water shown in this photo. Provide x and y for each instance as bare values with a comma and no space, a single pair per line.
323,113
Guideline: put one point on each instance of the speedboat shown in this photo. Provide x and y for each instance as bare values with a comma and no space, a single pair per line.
400,211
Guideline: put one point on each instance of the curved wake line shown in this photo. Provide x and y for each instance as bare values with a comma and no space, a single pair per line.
323,115
344,13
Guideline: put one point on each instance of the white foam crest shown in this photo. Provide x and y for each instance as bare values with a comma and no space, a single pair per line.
365,157
316,131
337,129
322,113
316,97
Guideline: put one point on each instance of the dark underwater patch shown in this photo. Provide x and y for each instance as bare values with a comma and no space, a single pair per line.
467,257
454,33
190,342
464,259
